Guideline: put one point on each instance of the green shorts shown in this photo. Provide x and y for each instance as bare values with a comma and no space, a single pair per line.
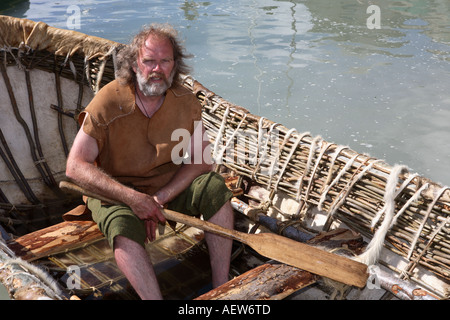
205,196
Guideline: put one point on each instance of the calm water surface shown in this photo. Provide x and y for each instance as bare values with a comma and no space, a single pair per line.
314,65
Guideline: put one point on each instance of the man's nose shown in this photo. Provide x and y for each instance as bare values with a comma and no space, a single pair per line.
157,67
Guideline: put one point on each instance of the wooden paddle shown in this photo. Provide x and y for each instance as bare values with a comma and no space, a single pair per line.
273,246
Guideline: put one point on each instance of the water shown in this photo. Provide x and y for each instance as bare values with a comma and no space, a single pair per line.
314,65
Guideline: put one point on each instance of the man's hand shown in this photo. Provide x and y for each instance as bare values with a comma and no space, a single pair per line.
146,208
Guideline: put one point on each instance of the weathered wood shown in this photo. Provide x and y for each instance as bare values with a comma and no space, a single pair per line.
266,282
55,239
24,281
339,238
402,289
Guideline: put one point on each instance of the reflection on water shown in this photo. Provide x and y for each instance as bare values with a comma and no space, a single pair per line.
313,65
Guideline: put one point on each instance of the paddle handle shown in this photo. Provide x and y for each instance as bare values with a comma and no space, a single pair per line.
205,225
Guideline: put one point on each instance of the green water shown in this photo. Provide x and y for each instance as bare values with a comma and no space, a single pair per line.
314,65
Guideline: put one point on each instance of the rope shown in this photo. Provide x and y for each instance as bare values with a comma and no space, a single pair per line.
415,197
346,190
425,218
332,162
258,140
370,256
389,194
325,147
220,133
264,154
101,69
312,151
277,156
220,156
289,157
338,177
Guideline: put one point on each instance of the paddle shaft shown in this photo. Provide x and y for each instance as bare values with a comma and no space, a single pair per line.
273,246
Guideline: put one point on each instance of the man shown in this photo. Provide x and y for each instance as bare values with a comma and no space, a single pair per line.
123,151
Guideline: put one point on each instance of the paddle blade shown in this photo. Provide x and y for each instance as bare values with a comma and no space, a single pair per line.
309,258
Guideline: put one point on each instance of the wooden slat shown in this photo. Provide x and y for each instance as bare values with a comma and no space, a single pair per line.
55,239
266,282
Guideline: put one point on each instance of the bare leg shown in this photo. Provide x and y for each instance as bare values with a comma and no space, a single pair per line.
135,264
219,247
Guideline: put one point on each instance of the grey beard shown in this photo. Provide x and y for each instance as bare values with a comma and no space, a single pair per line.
153,89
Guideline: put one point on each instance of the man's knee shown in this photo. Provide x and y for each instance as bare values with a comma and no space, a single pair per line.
123,243
117,220
215,195
224,216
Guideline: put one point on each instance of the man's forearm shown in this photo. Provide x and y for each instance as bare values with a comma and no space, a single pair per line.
97,181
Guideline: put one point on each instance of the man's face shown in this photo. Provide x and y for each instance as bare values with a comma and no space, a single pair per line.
155,66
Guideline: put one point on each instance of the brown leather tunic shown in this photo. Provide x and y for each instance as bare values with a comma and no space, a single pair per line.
134,149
